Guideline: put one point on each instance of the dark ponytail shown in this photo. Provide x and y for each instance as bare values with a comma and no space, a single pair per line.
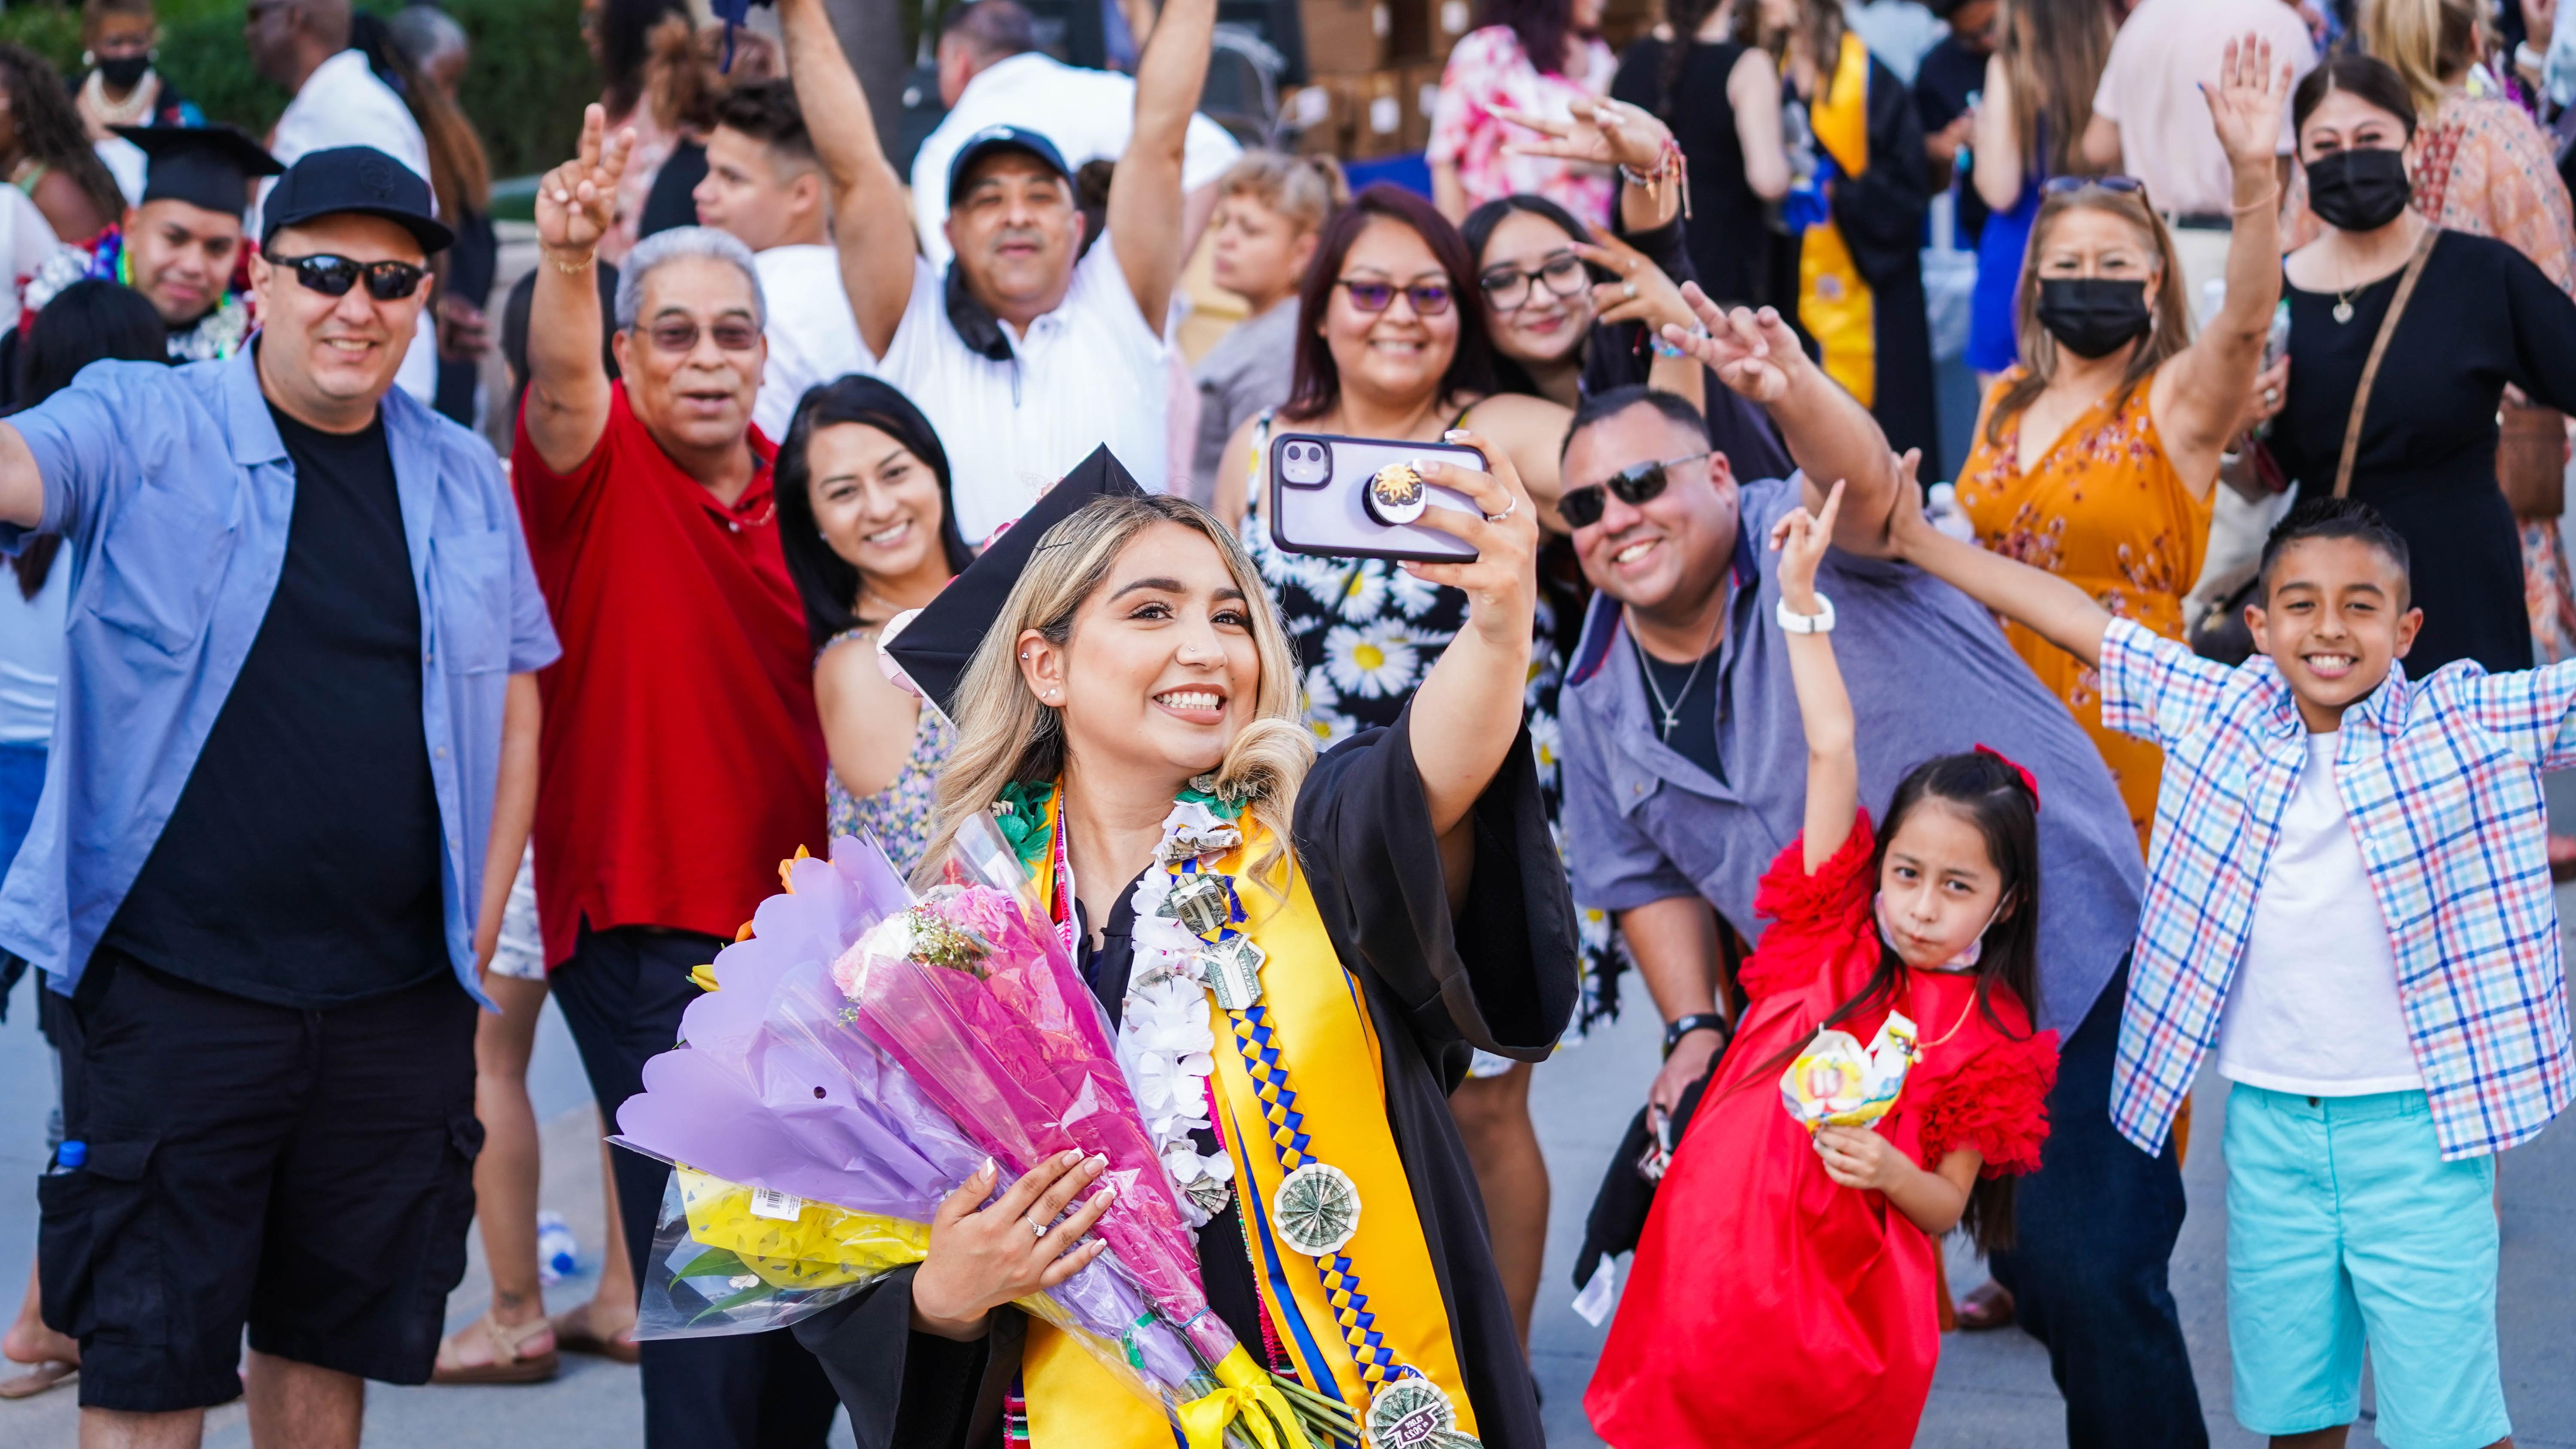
1684,18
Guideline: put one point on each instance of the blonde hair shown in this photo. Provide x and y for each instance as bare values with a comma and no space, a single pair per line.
2171,306
1304,189
1005,736
2430,43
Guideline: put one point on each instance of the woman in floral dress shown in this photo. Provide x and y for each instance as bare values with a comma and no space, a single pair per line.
1537,58
865,520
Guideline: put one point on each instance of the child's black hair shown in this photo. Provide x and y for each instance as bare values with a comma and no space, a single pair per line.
2339,518
1994,797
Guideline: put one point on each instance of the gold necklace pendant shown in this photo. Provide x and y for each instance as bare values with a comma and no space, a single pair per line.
2343,309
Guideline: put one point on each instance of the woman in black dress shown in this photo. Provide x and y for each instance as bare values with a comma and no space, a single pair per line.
1722,100
2481,316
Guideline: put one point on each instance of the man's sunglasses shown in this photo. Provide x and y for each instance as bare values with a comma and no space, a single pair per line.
1429,299
680,334
334,276
2068,185
1636,483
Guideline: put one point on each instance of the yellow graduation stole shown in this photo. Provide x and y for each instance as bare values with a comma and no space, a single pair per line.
1350,1320
1834,304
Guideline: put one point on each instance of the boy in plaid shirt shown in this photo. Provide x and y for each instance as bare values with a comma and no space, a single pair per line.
2348,895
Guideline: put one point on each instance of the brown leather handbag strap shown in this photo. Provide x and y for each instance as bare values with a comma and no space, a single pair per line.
2378,350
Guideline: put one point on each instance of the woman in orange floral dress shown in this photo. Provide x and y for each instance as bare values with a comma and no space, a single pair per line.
2096,456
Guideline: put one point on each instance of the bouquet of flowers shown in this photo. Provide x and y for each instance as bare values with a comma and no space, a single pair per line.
866,1052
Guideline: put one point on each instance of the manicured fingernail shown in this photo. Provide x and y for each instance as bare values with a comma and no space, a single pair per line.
1099,1160
1070,1156
987,1169
1454,435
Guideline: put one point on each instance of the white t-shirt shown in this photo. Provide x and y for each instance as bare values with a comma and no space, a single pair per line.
343,104
1087,373
26,240
1088,114
2314,1008
2151,89
31,654
813,336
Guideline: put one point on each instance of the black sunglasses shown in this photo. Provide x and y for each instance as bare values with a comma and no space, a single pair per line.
1429,299
334,276
1636,483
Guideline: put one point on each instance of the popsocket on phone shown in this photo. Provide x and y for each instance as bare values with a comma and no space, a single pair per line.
1395,494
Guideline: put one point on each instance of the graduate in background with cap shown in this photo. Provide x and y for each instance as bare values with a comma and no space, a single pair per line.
181,246
290,779
1030,351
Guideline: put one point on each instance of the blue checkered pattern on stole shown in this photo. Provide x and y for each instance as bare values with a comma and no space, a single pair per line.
2441,779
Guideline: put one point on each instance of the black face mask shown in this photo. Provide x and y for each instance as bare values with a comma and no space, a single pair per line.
124,72
2093,316
2359,190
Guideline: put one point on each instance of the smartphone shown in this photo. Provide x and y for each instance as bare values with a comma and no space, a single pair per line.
1363,497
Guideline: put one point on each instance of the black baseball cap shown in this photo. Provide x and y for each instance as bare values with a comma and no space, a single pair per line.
205,166
358,179
1004,138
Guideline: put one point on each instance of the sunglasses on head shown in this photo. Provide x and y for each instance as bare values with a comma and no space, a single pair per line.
2068,185
1636,483
334,276
1429,299
680,334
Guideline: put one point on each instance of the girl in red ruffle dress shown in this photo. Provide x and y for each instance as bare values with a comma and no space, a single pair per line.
1783,1291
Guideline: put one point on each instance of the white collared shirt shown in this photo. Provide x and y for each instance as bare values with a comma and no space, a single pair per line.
1088,114
1087,373
813,335
343,104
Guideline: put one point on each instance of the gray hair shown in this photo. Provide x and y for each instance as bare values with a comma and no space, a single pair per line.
423,33
671,246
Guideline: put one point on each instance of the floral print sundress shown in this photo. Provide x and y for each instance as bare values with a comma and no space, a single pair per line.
902,814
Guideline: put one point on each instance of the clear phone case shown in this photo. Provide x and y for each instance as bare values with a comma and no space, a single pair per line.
1358,497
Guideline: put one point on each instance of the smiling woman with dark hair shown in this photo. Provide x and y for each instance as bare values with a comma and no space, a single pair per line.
864,517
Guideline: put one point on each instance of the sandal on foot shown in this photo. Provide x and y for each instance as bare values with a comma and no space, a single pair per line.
53,1373
510,1362
573,1335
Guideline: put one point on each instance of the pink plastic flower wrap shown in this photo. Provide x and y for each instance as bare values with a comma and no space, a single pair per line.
977,998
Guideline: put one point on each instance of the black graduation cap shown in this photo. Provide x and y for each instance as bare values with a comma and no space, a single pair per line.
939,642
207,166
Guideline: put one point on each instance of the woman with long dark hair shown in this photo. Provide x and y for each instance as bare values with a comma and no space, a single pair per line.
1721,98
622,39
1529,57
865,517
45,149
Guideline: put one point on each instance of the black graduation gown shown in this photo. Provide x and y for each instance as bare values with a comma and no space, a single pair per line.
1881,215
1497,973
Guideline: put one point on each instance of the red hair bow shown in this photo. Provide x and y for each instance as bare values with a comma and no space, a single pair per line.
2029,781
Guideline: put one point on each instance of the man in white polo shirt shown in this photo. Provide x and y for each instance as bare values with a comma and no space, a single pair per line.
1029,352
991,73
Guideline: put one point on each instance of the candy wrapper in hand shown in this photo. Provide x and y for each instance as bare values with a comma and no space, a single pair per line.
1833,1083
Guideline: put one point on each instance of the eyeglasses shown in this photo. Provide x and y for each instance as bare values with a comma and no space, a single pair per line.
2068,185
334,276
1636,483
1507,289
680,334
1429,299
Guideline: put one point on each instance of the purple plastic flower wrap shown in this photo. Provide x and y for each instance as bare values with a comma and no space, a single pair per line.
1005,1036
775,1088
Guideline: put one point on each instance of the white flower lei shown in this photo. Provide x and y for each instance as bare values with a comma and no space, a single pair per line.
1165,1045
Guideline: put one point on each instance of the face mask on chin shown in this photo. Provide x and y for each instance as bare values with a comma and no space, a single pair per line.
1967,958
2093,316
2359,190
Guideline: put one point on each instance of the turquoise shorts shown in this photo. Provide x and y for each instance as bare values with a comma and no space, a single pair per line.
2346,1227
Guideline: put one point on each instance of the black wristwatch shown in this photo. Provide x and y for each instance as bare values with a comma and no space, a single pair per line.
1681,1027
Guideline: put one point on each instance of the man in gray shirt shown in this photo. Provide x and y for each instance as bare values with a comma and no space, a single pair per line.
1685,770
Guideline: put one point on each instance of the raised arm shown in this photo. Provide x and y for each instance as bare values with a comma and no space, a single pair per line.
1608,132
566,408
22,487
1753,91
2049,606
1997,168
1145,219
1824,705
2198,398
1829,434
871,219
1468,709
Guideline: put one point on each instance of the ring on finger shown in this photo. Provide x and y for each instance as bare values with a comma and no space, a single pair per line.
2271,395
1628,290
1036,1228
1509,508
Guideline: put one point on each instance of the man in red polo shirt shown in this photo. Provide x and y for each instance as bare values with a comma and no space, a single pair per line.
681,757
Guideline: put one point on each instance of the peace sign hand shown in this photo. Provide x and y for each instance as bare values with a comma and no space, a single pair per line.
1752,352
1604,132
577,201
1643,292
2245,106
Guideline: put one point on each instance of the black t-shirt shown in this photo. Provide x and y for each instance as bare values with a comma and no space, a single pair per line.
1951,72
1690,689
301,865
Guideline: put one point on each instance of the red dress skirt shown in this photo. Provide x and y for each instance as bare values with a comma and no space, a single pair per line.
1769,1307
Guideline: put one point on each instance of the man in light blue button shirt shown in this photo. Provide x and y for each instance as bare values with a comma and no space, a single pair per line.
292,773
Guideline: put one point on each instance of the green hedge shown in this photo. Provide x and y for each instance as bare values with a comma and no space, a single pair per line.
531,75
